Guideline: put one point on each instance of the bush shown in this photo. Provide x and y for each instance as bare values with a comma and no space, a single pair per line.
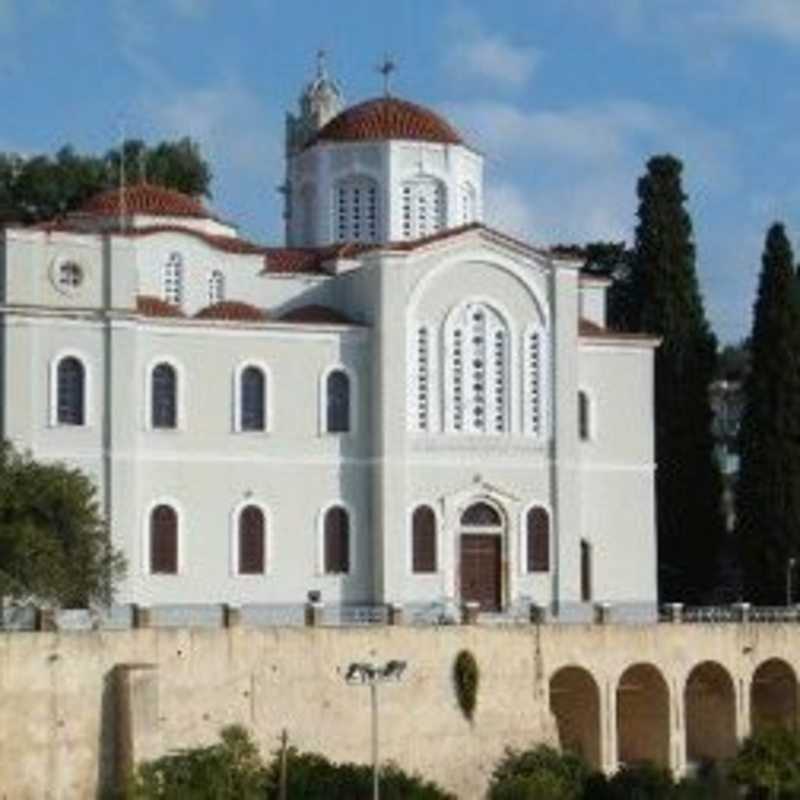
311,776
538,774
768,765
466,677
229,770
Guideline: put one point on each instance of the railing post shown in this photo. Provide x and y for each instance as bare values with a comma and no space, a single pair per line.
46,619
674,612
602,613
469,612
315,614
537,614
742,611
141,616
231,616
396,614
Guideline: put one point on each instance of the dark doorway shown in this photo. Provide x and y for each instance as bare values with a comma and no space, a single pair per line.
481,564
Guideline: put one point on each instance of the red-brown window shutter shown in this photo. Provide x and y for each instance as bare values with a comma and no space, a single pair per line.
423,544
251,541
337,540
164,540
538,540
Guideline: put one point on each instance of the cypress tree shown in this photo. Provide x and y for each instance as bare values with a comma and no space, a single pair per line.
666,292
768,495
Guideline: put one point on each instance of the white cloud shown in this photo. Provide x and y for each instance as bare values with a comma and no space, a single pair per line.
475,53
191,8
779,19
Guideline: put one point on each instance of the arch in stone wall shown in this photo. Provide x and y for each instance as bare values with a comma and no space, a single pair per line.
643,719
773,695
575,704
710,712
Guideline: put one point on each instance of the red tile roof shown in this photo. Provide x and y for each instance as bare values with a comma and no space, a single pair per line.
387,118
233,311
145,198
316,314
152,306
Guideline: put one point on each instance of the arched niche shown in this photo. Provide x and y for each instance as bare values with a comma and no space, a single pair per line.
710,712
643,716
773,696
575,704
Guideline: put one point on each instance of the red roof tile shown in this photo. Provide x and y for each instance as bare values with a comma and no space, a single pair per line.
591,330
233,311
316,314
145,198
152,306
387,118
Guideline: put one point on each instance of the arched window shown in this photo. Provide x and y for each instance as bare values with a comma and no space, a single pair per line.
481,515
164,396
216,287
468,210
337,402
538,540
337,541
586,571
163,540
423,207
172,280
584,417
535,375
252,541
357,210
477,370
423,539
70,392
252,399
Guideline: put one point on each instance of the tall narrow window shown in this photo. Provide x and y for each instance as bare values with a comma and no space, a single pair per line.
337,398
584,417
538,540
216,287
477,379
586,571
421,376
163,540
172,280
423,540
423,207
252,549
164,396
70,392
337,540
357,210
252,399
534,382
468,213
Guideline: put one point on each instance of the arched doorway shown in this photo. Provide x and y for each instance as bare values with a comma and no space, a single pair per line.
575,704
773,696
643,716
481,556
710,711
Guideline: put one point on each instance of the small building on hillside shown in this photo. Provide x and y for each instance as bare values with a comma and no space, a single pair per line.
398,405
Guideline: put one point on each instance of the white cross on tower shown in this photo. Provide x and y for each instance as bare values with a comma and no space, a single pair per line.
386,69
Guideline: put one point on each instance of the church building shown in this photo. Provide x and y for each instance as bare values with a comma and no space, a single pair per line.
399,405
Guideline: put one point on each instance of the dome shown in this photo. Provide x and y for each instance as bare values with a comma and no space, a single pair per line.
388,118
146,199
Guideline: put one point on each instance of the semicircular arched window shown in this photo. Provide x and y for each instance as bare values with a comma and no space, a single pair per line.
252,399
423,207
356,211
172,280
216,287
337,402
252,545
423,540
71,392
336,533
481,515
163,540
164,397
537,526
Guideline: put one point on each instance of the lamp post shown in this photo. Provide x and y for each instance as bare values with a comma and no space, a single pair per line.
361,673
790,565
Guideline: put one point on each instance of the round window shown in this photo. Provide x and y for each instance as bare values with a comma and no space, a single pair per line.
67,275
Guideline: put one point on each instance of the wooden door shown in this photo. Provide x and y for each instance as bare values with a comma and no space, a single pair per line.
480,570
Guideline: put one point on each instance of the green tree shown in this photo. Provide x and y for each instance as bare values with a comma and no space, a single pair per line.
666,293
54,544
768,495
41,187
540,773
768,765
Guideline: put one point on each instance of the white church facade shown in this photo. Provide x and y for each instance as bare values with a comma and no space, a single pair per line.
398,406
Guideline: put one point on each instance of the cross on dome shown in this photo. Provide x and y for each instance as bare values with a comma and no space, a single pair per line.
386,68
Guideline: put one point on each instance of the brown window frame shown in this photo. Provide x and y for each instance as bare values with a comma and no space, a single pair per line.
423,540
164,556
252,556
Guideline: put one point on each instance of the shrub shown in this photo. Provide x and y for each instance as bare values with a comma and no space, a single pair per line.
311,776
541,773
466,677
229,770
768,765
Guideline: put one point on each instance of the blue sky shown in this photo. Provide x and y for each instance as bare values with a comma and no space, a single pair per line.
566,98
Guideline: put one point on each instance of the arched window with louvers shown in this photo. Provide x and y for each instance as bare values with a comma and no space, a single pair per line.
477,346
356,210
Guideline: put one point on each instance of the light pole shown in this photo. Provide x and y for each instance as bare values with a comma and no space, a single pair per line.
790,565
361,673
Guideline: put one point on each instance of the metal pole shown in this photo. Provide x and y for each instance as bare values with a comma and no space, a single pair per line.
373,688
